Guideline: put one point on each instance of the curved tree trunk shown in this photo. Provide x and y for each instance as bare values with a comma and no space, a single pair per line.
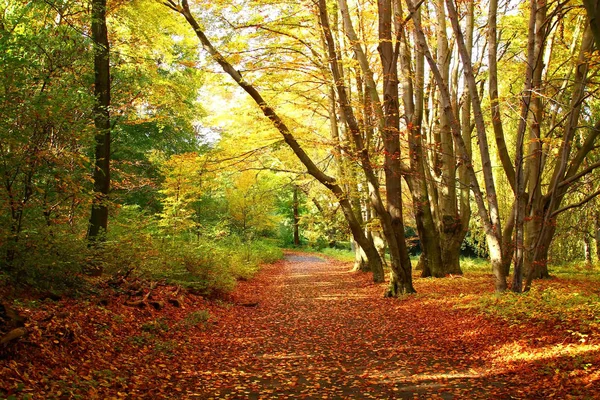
391,217
489,215
391,138
326,180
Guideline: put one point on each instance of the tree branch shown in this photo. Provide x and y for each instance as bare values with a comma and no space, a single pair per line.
582,202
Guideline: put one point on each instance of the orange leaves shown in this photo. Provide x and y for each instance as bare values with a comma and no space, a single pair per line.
319,331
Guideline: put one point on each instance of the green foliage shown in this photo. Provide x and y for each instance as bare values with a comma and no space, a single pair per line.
46,132
50,259
338,254
207,265
45,110
158,325
550,305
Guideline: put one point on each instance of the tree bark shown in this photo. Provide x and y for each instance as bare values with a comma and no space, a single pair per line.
544,209
496,116
430,261
587,248
490,219
592,8
296,217
391,138
597,234
98,222
401,281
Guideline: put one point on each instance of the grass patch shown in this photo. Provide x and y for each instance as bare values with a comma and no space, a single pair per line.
576,270
338,254
198,318
475,265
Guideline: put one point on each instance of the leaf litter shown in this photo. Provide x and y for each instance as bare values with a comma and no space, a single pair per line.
302,328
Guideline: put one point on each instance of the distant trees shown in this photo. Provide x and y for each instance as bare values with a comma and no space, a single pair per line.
52,105
45,109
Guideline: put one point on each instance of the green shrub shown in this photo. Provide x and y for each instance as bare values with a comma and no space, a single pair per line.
49,259
56,260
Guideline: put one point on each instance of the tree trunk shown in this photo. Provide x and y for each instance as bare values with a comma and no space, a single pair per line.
492,218
296,218
545,209
99,217
597,235
391,138
430,262
360,258
587,248
489,218
400,281
449,222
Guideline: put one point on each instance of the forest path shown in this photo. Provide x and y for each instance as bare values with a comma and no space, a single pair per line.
320,331
302,328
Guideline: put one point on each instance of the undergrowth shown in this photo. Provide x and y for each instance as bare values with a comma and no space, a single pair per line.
209,265
554,304
571,299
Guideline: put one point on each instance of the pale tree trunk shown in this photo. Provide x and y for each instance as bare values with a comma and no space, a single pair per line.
449,222
587,248
346,170
491,221
430,262
545,209
529,102
496,119
537,36
326,180
490,218
98,222
295,205
401,278
466,130
496,115
340,141
597,235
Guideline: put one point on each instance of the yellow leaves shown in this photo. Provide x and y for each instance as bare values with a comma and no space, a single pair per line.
182,186
251,202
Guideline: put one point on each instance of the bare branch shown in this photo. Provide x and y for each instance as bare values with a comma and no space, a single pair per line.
579,204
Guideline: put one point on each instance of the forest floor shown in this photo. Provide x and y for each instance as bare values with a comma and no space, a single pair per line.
304,327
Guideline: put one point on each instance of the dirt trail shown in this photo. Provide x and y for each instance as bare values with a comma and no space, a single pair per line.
320,331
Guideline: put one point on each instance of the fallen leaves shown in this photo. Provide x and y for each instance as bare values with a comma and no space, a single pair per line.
317,331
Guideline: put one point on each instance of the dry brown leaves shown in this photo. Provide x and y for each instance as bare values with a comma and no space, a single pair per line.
303,328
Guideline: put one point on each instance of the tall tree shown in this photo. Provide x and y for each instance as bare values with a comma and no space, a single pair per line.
326,180
488,204
390,214
99,215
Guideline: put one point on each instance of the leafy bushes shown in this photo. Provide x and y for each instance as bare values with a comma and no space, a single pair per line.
56,261
207,265
48,259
